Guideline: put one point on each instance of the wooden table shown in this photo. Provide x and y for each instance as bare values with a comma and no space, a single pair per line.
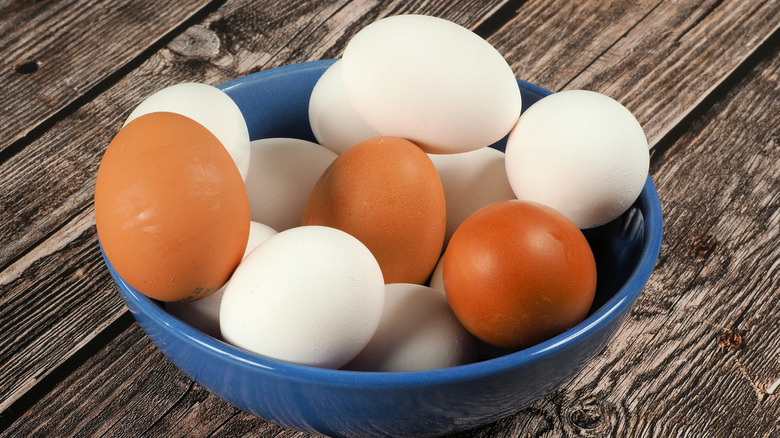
699,354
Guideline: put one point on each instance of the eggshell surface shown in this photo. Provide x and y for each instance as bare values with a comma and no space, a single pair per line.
385,191
203,314
580,152
471,180
210,107
334,122
171,209
282,173
517,273
431,81
310,295
418,332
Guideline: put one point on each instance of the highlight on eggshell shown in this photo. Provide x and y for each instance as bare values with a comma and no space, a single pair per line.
386,192
418,331
311,295
281,176
334,122
431,81
171,210
203,314
580,152
210,107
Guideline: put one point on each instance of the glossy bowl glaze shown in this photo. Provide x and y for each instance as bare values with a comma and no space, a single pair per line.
425,403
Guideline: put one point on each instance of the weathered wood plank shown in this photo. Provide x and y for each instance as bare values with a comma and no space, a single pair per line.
660,59
135,391
55,52
46,206
53,301
321,33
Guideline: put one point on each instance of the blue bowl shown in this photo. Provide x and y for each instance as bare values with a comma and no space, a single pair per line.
424,403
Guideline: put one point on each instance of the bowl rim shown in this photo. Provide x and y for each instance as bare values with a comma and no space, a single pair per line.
612,308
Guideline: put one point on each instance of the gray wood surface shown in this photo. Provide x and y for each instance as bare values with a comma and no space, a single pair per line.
698,356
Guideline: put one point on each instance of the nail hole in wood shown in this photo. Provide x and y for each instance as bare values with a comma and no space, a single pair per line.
26,67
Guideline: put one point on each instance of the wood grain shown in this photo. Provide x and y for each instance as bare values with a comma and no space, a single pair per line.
659,59
698,355
54,300
69,47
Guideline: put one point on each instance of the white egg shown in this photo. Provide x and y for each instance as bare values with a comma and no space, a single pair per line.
471,180
580,152
311,295
418,332
210,107
203,314
282,173
431,81
333,120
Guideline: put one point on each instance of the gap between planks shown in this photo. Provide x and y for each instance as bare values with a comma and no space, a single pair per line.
715,93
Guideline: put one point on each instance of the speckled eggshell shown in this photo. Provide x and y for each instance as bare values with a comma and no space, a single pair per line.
385,191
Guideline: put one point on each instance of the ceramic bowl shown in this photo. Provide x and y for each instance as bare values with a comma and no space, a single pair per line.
424,403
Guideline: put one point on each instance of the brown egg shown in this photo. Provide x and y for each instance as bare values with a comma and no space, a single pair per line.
171,210
386,192
517,273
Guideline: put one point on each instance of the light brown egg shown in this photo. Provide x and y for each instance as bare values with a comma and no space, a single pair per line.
386,192
171,210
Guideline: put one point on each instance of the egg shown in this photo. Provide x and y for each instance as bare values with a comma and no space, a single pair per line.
418,331
171,210
580,152
282,173
334,122
210,107
471,180
385,191
517,273
203,314
431,81
309,295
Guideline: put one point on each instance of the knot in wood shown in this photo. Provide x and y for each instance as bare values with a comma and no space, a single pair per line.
586,417
197,42
26,66
704,246
730,338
